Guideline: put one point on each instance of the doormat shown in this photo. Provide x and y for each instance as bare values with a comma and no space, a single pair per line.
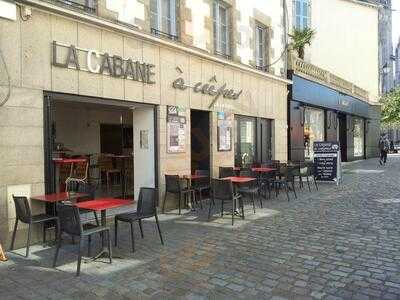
388,201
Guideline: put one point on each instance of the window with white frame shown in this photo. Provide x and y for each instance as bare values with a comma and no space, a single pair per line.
163,19
302,14
221,28
261,47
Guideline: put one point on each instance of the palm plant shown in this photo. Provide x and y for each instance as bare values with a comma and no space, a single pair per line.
301,38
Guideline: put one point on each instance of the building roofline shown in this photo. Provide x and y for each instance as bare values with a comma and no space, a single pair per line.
366,3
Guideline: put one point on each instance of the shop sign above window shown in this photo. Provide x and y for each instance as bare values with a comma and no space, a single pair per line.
209,88
68,56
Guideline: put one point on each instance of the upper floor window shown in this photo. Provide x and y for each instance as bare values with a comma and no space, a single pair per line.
163,18
221,28
302,13
261,47
86,5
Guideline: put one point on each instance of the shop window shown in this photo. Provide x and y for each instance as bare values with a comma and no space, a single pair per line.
261,47
163,18
358,127
85,5
314,129
301,14
221,29
245,140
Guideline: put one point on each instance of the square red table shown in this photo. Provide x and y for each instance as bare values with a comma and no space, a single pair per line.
240,179
58,197
102,204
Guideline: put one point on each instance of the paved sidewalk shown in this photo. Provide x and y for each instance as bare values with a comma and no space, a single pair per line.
338,243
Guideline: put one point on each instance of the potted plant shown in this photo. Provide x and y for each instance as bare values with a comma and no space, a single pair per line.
301,38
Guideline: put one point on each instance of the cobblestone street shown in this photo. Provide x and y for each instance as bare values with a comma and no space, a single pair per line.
341,242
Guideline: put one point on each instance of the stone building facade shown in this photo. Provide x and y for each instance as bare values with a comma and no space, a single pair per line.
112,56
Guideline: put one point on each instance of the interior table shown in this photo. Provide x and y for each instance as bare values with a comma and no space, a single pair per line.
102,204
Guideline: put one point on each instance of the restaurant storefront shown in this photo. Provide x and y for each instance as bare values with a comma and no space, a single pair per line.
320,113
80,90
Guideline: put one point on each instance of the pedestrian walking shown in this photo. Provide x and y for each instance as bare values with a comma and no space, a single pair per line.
384,146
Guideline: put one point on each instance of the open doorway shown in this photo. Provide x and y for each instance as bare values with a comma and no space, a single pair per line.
342,128
200,140
113,140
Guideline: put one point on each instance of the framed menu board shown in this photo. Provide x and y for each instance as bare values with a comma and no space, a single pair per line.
327,161
176,130
224,132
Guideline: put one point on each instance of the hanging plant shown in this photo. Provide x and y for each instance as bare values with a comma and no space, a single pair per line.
301,38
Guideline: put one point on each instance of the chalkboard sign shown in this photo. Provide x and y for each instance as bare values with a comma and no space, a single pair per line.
327,161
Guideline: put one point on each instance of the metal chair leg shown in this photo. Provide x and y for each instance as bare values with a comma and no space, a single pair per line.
159,230
294,190
132,238
109,246
253,199
287,192
180,199
308,183
89,245
315,182
141,228
165,199
44,233
96,218
115,232
78,268
209,208
57,250
29,240
14,234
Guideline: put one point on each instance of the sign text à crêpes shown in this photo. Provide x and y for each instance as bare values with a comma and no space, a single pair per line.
208,89
103,63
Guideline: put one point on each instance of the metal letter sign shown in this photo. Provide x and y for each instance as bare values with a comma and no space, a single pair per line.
103,63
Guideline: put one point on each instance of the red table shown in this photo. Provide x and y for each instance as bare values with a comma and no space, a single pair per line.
102,204
263,170
240,179
58,197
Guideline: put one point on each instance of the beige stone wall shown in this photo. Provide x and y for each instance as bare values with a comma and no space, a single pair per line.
26,46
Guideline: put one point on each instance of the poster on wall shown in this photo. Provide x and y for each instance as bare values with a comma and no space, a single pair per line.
327,161
224,132
176,130
144,139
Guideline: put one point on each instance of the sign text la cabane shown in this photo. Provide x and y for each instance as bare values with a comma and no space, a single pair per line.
98,63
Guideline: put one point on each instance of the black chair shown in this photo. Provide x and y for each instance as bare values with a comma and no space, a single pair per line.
285,179
79,186
222,189
173,185
226,172
309,171
70,223
146,208
201,185
252,188
23,213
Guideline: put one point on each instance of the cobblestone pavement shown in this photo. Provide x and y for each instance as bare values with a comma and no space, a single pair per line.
338,243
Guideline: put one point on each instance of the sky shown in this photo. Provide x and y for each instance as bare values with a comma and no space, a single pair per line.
396,21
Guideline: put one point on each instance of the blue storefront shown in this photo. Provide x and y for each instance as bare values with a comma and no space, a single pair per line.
319,113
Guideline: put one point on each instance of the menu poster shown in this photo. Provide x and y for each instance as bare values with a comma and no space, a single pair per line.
176,130
327,161
224,132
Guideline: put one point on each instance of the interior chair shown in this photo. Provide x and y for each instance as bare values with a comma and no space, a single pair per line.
70,223
23,214
173,185
111,172
146,208
226,172
222,190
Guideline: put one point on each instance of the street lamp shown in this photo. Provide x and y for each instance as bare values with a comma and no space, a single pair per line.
385,71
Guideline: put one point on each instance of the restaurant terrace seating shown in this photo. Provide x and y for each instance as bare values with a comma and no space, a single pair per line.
173,185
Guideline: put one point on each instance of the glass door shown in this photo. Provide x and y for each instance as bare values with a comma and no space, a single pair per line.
245,141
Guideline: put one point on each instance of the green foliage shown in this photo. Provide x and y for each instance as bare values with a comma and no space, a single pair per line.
391,107
301,38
